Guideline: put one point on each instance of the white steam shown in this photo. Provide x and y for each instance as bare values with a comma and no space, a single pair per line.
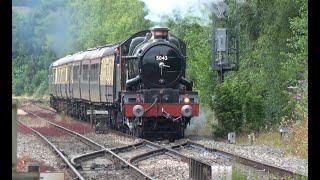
178,9
199,125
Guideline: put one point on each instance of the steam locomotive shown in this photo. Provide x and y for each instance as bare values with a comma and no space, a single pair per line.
143,93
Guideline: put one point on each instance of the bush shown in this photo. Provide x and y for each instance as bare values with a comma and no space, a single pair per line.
227,105
42,89
39,78
298,139
239,108
17,87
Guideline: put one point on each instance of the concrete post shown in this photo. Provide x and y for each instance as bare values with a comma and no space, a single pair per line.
232,138
284,133
14,134
251,137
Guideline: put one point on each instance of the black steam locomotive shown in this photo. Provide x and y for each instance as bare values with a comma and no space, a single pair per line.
142,90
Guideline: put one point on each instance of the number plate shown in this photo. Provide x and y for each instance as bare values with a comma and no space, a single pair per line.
161,58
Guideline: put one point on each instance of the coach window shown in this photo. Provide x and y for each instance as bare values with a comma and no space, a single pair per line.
64,74
60,77
63,77
69,75
85,72
59,74
94,72
75,73
54,76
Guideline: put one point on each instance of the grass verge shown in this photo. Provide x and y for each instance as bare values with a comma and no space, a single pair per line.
296,145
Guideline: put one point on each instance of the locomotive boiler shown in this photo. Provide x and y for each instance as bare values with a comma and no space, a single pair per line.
143,91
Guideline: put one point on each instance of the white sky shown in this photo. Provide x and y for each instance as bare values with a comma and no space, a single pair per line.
196,8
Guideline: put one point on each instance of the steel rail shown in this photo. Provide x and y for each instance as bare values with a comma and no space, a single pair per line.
52,110
87,156
131,167
72,133
225,154
147,155
154,153
157,150
244,160
183,157
143,143
56,149
197,168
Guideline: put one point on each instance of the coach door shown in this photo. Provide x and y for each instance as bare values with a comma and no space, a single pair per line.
94,80
59,82
65,79
70,94
54,84
106,78
84,83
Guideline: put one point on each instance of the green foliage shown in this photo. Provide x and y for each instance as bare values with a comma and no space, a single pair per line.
20,80
39,82
53,29
42,89
199,60
228,106
237,174
297,60
269,64
239,108
103,22
62,115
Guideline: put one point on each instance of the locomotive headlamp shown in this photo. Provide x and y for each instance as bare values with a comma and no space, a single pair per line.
186,110
138,110
186,99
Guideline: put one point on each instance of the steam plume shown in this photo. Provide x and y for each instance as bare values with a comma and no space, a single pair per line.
177,9
198,124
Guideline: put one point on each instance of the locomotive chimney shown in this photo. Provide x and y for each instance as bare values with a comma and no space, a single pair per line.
159,33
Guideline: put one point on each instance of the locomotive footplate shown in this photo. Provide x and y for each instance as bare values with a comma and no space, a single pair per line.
100,119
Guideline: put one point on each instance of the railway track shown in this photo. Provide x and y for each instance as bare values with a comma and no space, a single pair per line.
157,160
187,152
191,146
142,155
38,102
152,152
110,163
